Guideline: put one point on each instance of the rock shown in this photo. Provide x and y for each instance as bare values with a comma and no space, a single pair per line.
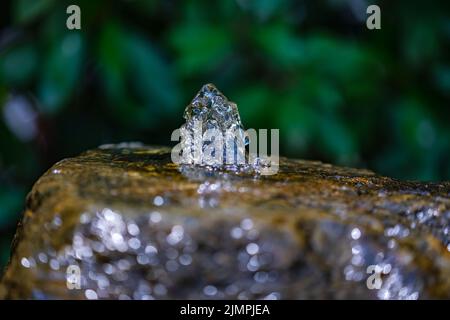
138,227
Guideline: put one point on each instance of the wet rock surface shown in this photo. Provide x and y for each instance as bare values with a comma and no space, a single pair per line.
139,227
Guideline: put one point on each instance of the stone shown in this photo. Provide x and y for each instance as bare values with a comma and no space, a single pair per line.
130,224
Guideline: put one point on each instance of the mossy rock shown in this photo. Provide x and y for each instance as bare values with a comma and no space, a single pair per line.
138,226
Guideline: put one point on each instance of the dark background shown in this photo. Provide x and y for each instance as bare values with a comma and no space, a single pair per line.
338,92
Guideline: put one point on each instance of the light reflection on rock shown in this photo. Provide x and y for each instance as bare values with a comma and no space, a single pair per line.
139,229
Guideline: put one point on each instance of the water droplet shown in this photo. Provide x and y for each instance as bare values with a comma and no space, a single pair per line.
247,224
25,263
210,290
356,233
155,217
158,201
236,233
91,294
252,248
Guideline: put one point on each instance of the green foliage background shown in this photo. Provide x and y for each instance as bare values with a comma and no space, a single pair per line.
337,91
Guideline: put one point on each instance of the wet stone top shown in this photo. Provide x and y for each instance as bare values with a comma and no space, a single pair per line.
137,226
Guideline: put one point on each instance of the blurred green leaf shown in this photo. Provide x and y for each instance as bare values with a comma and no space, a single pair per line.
297,122
4,252
263,9
11,203
113,64
18,65
280,44
442,78
152,76
337,140
414,125
27,10
146,7
139,82
420,44
200,48
252,101
112,59
61,72
319,93
341,60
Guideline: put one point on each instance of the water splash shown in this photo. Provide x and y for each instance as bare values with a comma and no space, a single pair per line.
214,109
211,111
212,125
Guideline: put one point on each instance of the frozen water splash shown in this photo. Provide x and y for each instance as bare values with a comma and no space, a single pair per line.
213,125
213,140
212,108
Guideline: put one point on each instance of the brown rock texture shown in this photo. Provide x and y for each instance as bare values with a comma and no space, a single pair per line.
137,226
